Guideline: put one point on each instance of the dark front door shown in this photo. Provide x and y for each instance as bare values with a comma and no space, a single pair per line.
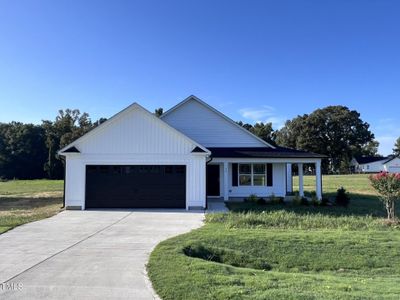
213,180
135,186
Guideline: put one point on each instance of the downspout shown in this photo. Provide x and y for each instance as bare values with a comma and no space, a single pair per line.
207,162
65,173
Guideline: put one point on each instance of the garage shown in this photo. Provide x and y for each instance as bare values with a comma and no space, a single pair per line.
135,186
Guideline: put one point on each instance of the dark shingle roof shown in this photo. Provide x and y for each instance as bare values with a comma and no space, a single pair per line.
369,159
262,152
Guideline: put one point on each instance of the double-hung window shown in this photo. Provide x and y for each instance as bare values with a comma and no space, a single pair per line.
252,174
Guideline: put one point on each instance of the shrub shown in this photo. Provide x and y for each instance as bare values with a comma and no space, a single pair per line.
261,201
342,197
277,200
388,186
251,198
324,201
304,201
296,200
315,201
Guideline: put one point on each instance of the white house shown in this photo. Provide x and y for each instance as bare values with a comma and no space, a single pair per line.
368,164
191,153
392,165
373,164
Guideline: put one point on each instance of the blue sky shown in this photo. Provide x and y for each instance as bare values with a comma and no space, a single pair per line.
253,60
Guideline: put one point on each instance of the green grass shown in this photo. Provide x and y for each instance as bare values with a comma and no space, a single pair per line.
23,201
285,252
29,187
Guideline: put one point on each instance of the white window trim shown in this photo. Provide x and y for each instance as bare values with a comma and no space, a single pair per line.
251,173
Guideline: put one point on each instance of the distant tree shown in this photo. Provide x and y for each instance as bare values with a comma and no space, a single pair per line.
287,136
334,131
245,125
396,149
262,130
159,111
67,127
22,151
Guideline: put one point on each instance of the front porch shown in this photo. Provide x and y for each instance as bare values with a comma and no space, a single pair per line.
233,179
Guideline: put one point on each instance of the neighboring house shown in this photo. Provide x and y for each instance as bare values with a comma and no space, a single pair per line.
192,152
392,164
368,164
373,164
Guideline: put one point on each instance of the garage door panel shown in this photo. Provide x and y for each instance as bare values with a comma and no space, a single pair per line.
152,186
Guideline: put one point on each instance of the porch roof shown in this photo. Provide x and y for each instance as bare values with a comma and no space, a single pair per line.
262,152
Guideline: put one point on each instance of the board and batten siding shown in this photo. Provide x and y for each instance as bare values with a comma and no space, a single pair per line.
135,132
208,128
135,138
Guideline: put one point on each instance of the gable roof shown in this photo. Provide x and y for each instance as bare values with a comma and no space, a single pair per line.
198,100
369,159
114,118
390,158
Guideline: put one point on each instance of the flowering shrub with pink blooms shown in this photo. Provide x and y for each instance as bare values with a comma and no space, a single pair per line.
388,186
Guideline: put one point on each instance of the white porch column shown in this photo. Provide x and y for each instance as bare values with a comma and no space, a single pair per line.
318,180
301,182
226,195
289,178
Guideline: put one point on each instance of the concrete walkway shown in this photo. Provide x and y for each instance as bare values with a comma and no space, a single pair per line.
216,206
87,254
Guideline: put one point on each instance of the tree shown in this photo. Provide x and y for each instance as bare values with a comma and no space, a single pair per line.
334,131
388,186
262,130
68,126
22,151
396,149
159,111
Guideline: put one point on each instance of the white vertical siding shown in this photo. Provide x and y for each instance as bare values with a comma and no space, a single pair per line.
135,138
208,128
136,132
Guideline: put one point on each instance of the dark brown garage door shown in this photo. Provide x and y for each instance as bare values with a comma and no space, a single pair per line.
135,186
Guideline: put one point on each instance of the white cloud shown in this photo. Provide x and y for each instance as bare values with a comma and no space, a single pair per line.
266,114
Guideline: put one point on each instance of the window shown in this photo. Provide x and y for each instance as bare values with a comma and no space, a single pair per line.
245,174
252,174
259,174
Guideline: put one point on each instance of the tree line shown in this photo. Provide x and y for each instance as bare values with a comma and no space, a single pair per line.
29,151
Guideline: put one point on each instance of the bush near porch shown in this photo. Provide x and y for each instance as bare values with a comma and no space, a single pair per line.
286,251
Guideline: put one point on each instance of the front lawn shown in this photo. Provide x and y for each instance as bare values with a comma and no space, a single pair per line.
285,252
23,201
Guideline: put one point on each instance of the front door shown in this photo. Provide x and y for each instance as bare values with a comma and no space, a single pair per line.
213,180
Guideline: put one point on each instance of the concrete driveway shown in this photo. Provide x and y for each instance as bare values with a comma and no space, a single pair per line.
87,254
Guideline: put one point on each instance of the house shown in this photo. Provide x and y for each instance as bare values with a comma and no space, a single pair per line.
367,164
192,152
373,164
392,164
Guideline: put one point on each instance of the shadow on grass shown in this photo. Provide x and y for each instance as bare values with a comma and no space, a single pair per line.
360,205
26,203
